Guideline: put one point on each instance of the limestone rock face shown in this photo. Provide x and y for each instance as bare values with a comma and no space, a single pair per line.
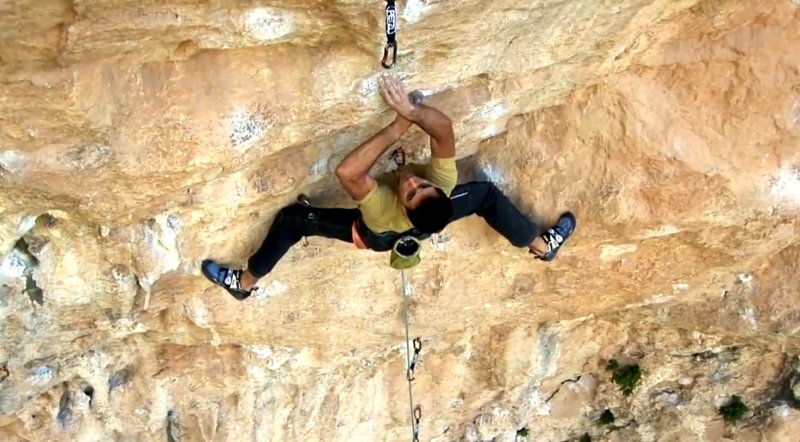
138,138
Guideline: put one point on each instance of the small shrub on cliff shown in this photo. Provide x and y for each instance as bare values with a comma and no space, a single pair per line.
626,376
734,410
523,432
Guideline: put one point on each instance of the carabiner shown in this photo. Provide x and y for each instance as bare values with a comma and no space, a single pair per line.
417,345
410,373
393,47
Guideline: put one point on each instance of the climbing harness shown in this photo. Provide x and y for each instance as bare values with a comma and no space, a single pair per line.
391,32
405,254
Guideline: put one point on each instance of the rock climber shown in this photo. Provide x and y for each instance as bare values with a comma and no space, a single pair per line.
414,199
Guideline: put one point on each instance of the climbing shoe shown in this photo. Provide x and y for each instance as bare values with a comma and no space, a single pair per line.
557,235
229,279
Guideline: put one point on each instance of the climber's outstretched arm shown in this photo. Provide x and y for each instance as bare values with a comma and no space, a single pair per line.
353,170
432,121
439,127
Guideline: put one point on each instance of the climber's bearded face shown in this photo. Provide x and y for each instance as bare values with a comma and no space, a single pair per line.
412,190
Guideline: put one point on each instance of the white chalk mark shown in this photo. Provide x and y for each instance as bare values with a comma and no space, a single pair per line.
197,313
368,88
274,288
266,24
439,240
12,161
494,175
40,375
275,357
665,230
680,287
745,279
167,241
13,266
415,9
749,315
783,410
491,130
658,298
246,130
539,405
493,114
86,156
793,116
26,223
493,111
320,167
786,186
609,252
161,243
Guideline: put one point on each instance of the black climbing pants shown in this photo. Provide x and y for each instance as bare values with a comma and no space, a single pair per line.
298,220
484,199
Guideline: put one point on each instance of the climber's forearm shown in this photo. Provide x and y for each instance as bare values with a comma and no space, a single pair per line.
439,127
358,162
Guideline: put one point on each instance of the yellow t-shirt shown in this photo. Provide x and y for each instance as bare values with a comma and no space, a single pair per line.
382,210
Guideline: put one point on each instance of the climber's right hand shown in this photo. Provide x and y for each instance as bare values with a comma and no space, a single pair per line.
395,96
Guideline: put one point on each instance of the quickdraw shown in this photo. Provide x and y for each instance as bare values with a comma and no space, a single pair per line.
399,156
391,32
417,418
413,365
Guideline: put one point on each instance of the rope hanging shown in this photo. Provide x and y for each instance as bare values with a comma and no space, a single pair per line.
416,412
405,255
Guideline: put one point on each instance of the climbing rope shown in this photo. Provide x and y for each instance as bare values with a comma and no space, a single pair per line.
405,254
391,32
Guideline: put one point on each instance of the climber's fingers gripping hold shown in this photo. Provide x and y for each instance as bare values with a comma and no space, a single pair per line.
395,96
388,91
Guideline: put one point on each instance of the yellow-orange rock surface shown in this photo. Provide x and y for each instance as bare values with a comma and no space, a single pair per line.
138,138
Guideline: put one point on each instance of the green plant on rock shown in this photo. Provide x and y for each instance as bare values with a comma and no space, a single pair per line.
607,417
734,410
523,432
585,438
626,376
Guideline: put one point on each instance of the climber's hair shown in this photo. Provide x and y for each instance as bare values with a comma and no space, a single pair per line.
432,214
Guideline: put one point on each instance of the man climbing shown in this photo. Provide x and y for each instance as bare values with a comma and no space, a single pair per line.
415,199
